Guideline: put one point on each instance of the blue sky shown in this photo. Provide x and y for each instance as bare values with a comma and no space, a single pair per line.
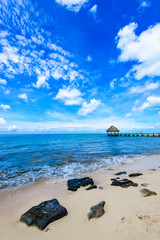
70,66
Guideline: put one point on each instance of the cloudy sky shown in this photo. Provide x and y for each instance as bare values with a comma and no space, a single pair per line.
70,66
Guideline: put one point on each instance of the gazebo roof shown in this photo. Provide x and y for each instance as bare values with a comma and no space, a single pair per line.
112,129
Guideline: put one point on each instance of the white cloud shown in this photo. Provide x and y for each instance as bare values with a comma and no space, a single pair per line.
12,128
145,49
3,34
72,5
21,54
145,4
128,115
149,86
2,121
5,106
23,96
76,101
89,107
124,82
70,96
89,58
41,82
151,101
3,81
113,83
93,10
7,91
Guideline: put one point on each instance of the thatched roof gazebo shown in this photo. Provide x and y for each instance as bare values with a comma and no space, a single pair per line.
112,131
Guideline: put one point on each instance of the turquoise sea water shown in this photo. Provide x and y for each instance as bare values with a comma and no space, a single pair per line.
25,159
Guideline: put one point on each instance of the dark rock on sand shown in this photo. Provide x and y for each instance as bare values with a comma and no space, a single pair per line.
146,192
135,174
96,210
120,173
43,214
144,184
91,187
112,179
74,184
125,183
100,187
110,169
152,169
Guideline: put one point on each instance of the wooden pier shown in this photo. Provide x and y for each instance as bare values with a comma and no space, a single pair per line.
114,132
134,135
137,135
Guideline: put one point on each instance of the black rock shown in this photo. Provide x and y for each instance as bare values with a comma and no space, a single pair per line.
125,183
146,192
43,214
112,179
100,187
74,184
135,174
96,210
91,187
120,173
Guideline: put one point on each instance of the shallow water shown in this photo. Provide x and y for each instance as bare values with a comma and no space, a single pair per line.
27,159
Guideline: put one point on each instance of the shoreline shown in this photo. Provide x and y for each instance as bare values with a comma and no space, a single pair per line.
124,208
143,164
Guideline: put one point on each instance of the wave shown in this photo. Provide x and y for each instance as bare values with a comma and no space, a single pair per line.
60,171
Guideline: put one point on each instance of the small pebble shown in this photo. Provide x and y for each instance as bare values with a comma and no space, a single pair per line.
144,184
146,192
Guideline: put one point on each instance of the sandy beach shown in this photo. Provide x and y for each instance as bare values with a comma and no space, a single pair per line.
128,215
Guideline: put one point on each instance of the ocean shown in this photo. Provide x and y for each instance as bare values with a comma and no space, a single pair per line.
26,159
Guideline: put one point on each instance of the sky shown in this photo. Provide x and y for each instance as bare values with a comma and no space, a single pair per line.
79,66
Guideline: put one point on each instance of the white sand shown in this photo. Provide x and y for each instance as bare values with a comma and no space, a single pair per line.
127,214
